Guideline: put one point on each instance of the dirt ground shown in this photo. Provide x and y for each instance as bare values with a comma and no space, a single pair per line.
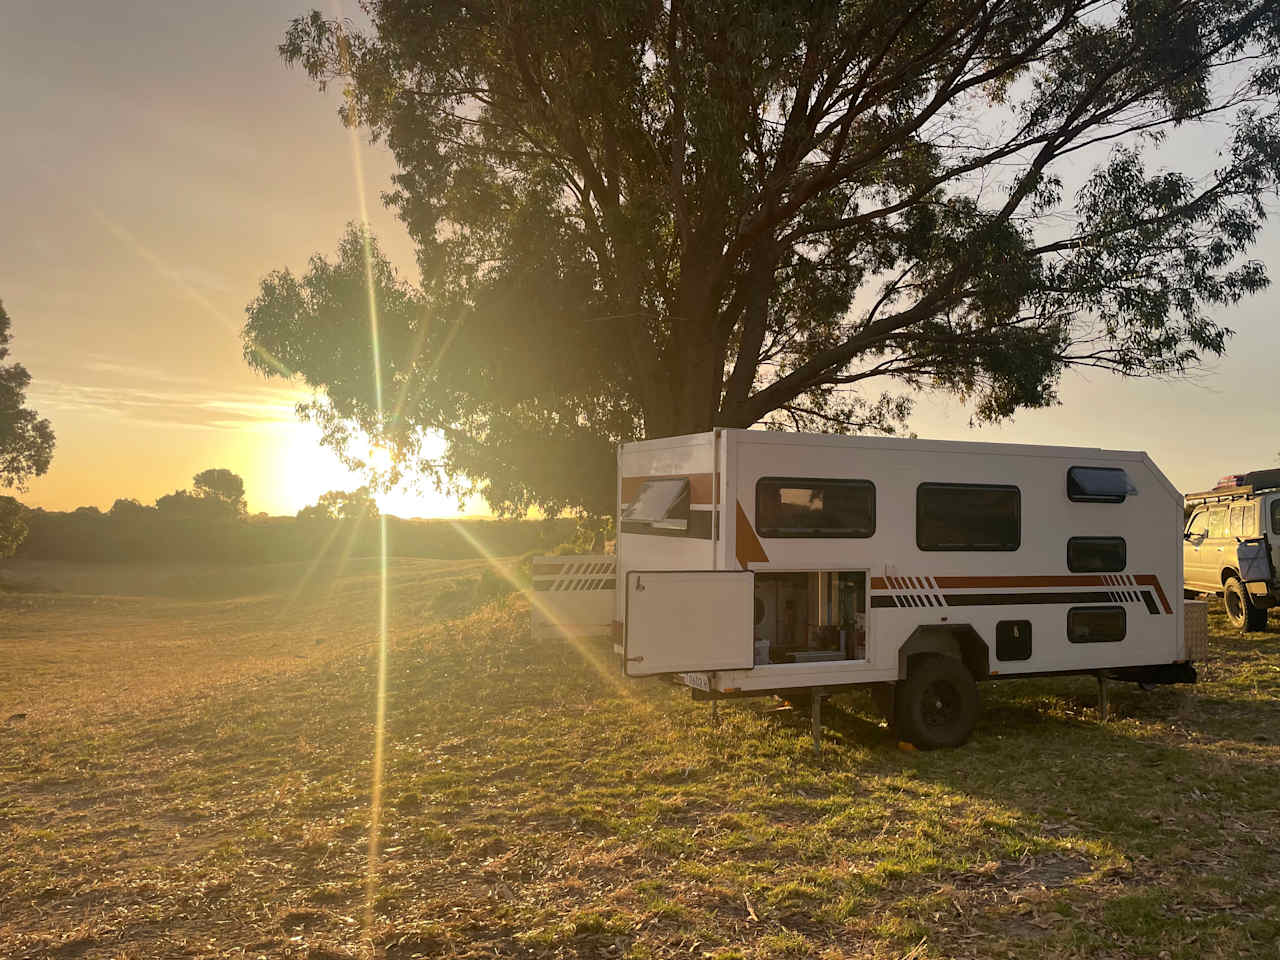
199,777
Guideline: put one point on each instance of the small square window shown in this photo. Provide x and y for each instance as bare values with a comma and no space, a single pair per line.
1096,624
1096,554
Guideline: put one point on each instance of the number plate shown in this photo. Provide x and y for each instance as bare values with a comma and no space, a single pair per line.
701,681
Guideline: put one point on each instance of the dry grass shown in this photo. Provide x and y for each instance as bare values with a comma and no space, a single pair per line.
537,806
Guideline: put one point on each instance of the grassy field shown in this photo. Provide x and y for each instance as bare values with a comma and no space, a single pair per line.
194,777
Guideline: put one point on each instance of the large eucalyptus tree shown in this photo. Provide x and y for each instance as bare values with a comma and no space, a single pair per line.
649,218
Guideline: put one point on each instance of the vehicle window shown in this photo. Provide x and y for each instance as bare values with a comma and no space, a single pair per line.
663,501
1275,516
968,516
1249,526
789,507
1236,521
1199,525
1096,624
1218,523
1098,485
1096,554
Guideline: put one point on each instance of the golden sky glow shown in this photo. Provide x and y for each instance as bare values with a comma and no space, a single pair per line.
159,160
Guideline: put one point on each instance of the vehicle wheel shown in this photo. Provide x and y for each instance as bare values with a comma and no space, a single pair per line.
937,705
1242,614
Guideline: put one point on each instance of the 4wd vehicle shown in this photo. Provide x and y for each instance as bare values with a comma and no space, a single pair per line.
1231,545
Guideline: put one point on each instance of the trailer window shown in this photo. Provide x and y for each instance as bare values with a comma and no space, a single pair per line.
1096,554
968,516
791,507
1096,624
1275,516
660,503
1098,485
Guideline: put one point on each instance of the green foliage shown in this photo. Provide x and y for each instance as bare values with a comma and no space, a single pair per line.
218,495
640,219
222,486
26,441
13,527
357,505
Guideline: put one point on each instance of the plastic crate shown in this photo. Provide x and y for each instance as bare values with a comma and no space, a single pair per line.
1196,629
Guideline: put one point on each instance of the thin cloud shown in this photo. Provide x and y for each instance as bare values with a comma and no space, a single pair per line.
204,409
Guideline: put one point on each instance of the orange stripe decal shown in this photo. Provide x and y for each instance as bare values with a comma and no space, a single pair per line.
746,544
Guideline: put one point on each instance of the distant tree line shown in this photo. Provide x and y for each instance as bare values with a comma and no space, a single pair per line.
210,523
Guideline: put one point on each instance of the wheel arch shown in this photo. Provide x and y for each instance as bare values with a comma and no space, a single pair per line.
958,640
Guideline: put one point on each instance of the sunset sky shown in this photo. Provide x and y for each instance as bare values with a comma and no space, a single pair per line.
159,159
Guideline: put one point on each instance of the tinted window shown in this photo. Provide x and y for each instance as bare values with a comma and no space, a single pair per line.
788,507
1275,516
1199,525
1096,554
1098,485
1095,624
968,516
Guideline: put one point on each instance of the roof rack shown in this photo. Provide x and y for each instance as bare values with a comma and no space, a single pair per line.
1229,493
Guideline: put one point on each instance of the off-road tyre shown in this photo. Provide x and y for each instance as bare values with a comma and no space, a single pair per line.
937,704
1242,614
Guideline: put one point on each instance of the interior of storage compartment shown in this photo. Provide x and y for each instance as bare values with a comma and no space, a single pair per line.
812,615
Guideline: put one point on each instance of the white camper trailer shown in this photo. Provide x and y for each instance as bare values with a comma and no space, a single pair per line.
753,562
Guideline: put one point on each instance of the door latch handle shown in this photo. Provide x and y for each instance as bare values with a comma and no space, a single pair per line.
634,659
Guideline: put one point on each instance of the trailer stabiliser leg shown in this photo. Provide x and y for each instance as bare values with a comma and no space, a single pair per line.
816,719
1104,703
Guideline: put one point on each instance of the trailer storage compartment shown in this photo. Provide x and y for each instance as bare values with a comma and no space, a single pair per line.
687,621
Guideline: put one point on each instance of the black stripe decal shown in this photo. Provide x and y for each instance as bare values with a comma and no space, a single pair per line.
883,601
1150,601
995,599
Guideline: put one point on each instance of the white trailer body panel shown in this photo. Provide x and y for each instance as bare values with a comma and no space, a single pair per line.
687,620
573,596
897,583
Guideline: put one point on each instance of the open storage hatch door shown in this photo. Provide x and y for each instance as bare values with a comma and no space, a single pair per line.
688,621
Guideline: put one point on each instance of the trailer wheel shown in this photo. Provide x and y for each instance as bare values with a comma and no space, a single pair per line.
937,705
1242,614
